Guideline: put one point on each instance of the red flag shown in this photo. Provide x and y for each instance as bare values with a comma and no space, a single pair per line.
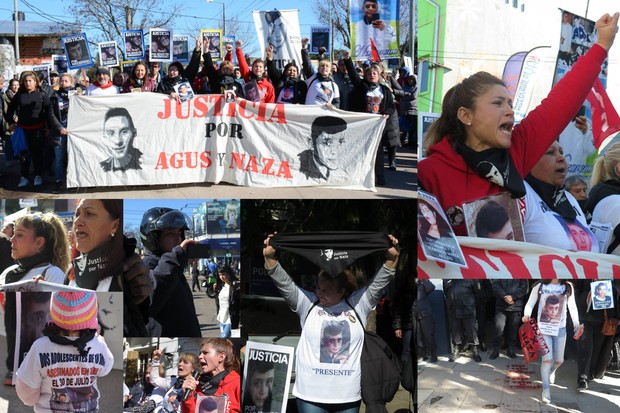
374,51
605,119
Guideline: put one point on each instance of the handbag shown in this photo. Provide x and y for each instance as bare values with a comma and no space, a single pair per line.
610,325
380,369
18,139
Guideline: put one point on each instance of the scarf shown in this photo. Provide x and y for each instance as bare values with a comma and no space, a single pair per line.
322,78
494,165
79,343
107,85
209,385
24,265
332,251
554,197
96,265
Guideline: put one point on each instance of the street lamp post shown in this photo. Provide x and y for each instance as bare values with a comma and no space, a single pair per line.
223,15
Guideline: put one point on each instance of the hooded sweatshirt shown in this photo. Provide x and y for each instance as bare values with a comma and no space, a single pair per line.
445,174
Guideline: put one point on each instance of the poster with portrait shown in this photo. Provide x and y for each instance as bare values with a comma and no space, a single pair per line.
267,374
184,90
43,71
436,236
161,45
59,63
602,295
107,54
279,28
579,235
425,120
127,67
77,50
496,217
229,41
215,42
319,37
180,48
378,20
251,91
550,313
133,41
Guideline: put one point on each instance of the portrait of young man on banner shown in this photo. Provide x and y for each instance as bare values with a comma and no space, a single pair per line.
280,29
323,160
107,54
435,233
319,37
43,72
550,312
161,45
267,374
77,51
119,133
376,19
134,44
184,90
494,217
601,293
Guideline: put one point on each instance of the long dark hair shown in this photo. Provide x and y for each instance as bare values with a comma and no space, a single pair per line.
424,225
463,95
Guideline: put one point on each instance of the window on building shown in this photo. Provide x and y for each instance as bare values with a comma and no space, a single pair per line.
423,76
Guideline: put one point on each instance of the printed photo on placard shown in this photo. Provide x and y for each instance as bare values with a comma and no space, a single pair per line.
230,96
215,42
127,67
180,48
211,404
107,54
495,217
184,90
602,295
229,41
43,71
550,313
251,91
580,238
77,51
134,44
319,37
59,63
161,45
267,374
435,233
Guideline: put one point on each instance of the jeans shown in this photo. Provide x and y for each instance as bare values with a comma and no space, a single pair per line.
60,158
552,360
224,330
304,406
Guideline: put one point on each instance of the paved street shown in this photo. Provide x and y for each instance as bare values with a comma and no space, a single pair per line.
401,183
506,385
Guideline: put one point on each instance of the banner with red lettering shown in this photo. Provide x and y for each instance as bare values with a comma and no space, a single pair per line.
501,259
150,139
605,119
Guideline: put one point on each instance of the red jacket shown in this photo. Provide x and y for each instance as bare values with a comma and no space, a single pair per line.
265,87
445,174
230,385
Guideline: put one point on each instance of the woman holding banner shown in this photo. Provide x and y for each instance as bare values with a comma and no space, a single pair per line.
475,149
326,387
139,80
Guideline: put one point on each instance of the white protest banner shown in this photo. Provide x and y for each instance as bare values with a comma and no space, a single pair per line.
271,365
500,259
279,28
150,139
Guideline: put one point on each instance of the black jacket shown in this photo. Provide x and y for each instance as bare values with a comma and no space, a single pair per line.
166,85
587,314
423,306
280,81
234,301
515,288
462,296
173,304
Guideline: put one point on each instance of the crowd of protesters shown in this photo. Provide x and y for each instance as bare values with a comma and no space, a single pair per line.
38,110
475,150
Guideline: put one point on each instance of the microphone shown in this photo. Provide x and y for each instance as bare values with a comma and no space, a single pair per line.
195,375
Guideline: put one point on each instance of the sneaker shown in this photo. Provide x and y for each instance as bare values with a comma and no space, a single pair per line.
8,379
582,385
511,354
38,181
58,187
23,182
546,396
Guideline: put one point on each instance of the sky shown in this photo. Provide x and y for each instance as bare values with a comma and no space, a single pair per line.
206,15
135,208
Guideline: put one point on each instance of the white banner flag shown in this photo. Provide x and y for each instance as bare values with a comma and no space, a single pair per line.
279,28
150,139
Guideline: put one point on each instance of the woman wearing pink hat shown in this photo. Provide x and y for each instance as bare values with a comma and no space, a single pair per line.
59,372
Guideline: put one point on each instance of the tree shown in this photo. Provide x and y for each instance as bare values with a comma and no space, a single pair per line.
110,17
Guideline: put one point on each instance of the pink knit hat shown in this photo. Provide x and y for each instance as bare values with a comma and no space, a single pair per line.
74,310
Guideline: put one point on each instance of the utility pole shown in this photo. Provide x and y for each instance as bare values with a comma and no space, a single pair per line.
129,17
16,24
331,30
